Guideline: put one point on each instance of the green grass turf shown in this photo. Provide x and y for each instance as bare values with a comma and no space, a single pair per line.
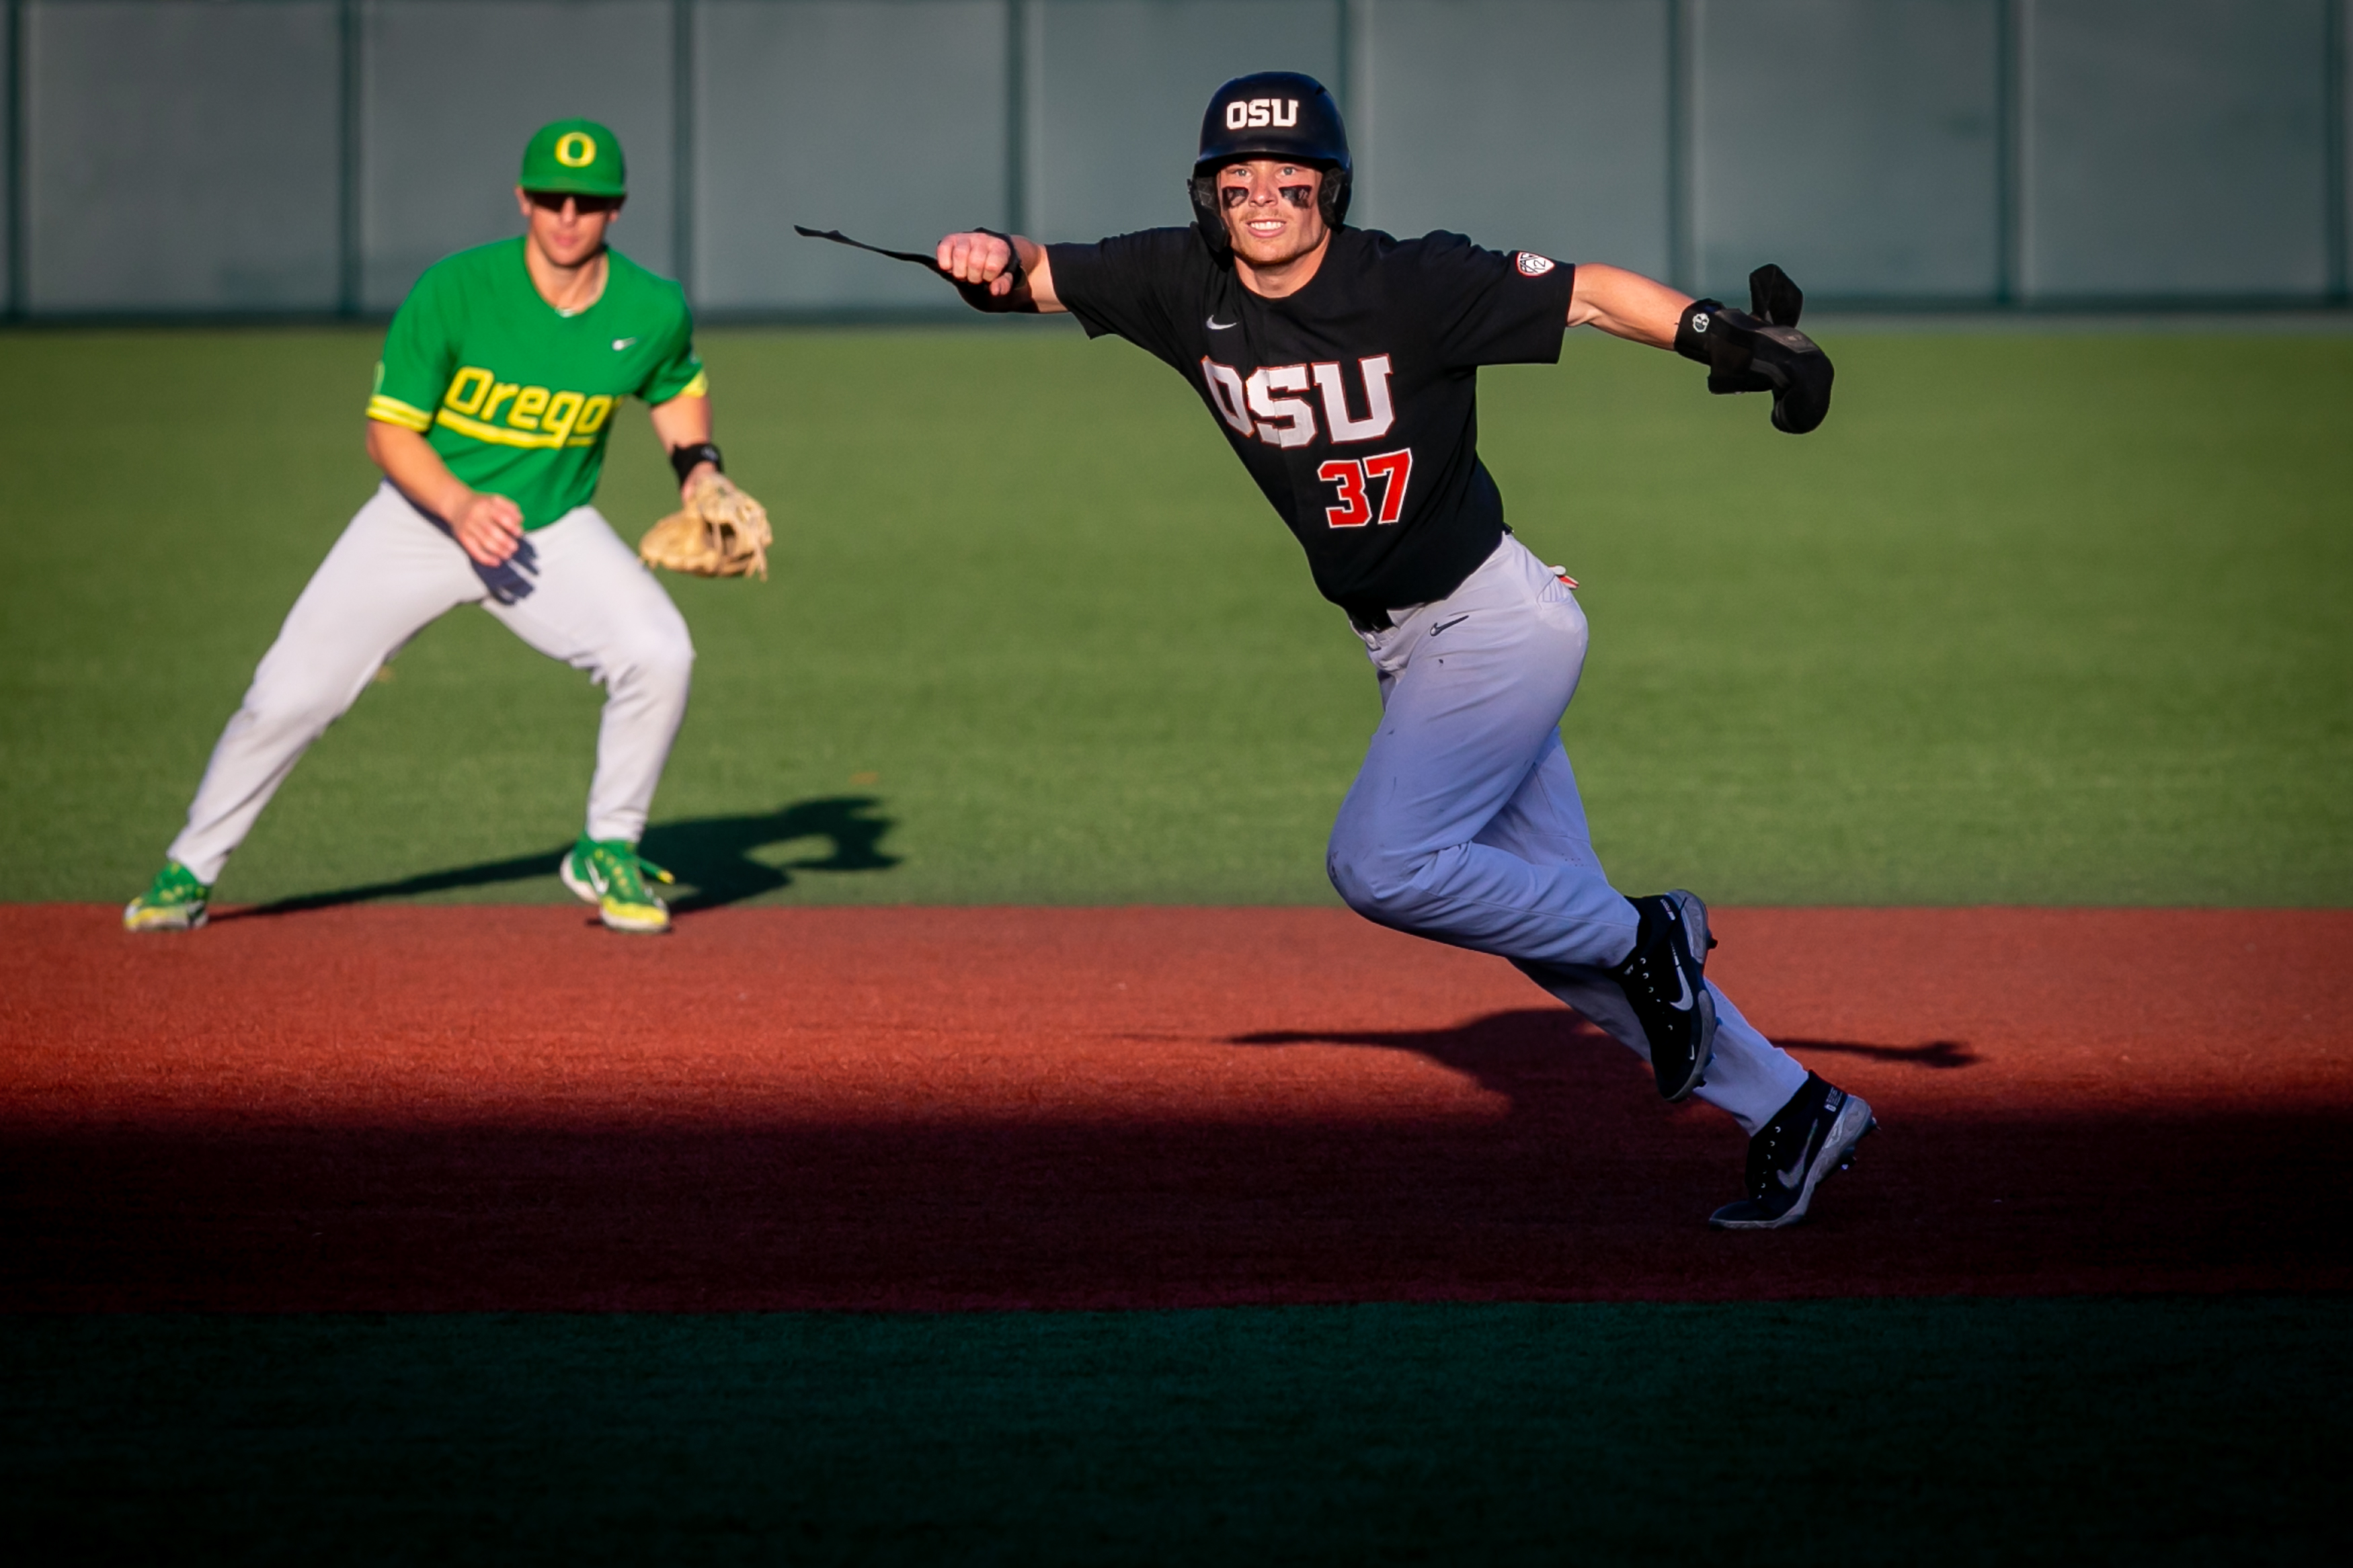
2036,619
1946,1431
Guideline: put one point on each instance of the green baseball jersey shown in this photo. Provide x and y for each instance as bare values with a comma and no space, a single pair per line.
517,396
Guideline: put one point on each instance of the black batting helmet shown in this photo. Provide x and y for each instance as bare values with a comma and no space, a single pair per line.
1271,114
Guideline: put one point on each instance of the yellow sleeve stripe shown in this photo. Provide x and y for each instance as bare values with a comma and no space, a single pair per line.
699,387
392,411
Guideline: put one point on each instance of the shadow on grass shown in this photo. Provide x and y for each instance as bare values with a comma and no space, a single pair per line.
711,856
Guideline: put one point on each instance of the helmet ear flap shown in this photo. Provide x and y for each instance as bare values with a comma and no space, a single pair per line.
1334,196
1207,217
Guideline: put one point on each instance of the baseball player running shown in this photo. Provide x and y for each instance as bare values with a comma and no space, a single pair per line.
501,375
1342,365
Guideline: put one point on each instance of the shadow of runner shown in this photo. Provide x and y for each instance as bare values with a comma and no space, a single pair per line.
1940,1053
710,854
1535,1056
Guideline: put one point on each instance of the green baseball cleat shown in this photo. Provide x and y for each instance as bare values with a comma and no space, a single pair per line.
609,873
174,900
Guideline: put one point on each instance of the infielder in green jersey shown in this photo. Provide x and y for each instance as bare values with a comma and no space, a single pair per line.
500,377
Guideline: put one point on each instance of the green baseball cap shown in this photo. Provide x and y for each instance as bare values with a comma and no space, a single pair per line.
575,155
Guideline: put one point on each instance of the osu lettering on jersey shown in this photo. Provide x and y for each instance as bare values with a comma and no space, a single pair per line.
1354,402
515,395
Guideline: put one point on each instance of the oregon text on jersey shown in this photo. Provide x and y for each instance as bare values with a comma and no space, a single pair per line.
535,417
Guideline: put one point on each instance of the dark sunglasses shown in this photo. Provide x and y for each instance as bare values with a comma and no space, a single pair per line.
553,200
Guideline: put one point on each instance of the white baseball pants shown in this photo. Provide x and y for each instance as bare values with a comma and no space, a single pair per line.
1464,825
394,571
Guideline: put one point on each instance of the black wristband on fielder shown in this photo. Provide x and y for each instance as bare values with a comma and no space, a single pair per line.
682,460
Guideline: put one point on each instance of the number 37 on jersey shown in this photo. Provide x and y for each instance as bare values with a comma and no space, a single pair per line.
1370,489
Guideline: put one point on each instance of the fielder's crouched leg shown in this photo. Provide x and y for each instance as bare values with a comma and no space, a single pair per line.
599,610
389,574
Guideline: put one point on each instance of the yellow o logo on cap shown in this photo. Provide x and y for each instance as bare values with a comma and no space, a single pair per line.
576,149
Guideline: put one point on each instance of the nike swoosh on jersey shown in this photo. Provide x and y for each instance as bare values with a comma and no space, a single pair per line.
621,343
1218,326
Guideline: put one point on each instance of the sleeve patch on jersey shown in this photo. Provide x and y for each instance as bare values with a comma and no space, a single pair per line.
1531,265
392,411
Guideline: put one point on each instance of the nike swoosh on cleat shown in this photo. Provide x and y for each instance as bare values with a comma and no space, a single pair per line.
1681,1003
1795,1173
1218,326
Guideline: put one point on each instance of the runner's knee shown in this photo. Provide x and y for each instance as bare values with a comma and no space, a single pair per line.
1385,886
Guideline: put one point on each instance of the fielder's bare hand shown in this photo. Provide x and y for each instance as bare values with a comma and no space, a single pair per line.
489,528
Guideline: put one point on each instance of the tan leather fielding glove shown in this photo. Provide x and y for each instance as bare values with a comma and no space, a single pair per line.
720,533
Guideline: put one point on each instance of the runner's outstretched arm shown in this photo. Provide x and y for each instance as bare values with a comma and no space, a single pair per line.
1625,305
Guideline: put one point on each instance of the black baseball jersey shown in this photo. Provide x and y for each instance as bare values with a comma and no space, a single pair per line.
1354,402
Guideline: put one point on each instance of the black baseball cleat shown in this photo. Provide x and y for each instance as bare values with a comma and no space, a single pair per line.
1665,981
1808,1139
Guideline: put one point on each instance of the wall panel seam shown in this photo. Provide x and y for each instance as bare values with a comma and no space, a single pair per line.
12,132
1361,103
347,159
1034,88
1017,119
2335,131
2017,58
1683,212
683,143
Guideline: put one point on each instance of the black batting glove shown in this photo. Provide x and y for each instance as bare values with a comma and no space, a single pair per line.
1761,350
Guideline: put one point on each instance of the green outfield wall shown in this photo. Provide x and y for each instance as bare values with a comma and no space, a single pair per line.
312,156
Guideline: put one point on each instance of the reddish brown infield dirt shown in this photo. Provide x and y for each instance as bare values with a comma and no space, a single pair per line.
411,1108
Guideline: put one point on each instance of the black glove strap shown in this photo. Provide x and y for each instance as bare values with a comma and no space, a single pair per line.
975,295
1697,321
1015,295
682,460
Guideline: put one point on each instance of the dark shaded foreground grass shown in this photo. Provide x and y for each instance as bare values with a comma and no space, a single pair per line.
1953,1430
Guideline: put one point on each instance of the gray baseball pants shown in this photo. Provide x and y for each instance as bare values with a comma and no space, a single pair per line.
585,600
1464,825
